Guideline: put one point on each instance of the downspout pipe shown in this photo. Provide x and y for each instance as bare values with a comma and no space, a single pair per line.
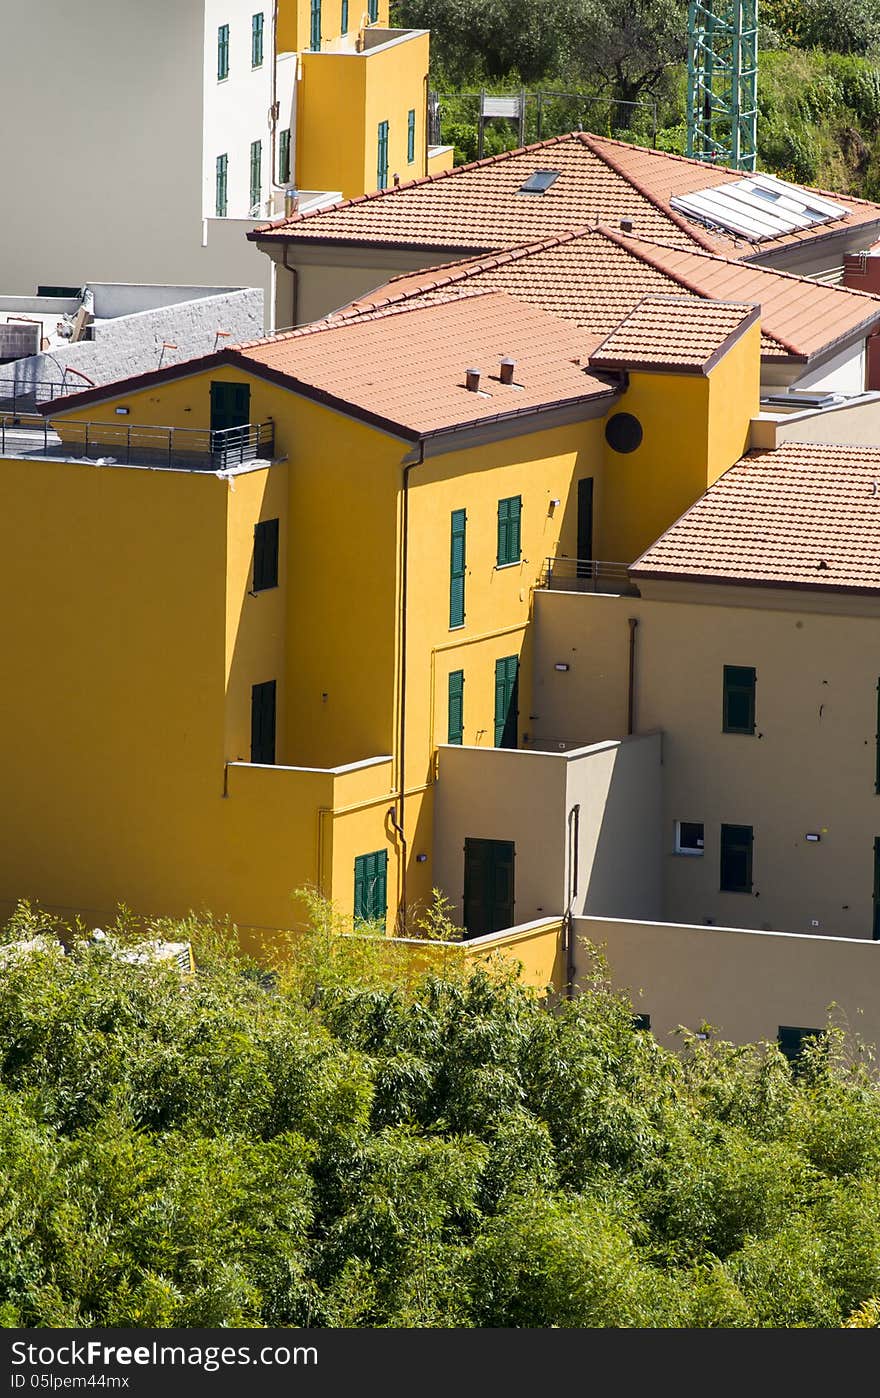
631,689
401,732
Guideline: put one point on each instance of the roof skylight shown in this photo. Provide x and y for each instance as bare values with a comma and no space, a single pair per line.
758,208
540,181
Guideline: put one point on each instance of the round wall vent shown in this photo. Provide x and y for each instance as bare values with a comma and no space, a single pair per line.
623,432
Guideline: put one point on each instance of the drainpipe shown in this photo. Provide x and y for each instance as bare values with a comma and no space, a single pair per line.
401,761
574,825
285,248
631,694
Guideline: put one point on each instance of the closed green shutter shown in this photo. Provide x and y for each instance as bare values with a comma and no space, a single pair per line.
457,561
736,858
265,554
411,136
263,722
739,699
456,706
257,41
223,52
256,172
506,701
343,23
315,27
509,530
221,195
371,887
284,156
374,11
382,156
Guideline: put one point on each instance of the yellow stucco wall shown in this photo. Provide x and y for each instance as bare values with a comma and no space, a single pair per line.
294,21
538,949
343,98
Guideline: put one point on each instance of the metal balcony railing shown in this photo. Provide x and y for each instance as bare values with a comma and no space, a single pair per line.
587,575
18,395
134,444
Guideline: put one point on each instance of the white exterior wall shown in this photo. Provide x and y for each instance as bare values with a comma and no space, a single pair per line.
842,373
111,141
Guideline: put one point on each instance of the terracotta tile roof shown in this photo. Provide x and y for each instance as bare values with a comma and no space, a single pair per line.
478,207
594,277
686,333
405,367
804,515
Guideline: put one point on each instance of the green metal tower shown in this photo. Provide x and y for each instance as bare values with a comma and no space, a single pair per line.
723,81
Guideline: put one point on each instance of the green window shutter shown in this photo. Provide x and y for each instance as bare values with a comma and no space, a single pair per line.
263,722
506,701
315,26
509,530
265,554
457,560
256,171
373,11
371,887
736,858
284,156
411,136
343,23
223,52
221,203
456,707
382,156
257,41
739,699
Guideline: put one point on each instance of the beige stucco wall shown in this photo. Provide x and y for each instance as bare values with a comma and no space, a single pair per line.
530,797
745,984
810,766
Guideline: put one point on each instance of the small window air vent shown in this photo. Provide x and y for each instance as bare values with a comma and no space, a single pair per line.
539,182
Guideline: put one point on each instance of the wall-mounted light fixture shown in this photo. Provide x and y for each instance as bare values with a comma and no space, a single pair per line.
122,412
421,858
813,837
560,665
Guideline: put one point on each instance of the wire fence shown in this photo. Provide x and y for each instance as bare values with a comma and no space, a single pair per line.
463,118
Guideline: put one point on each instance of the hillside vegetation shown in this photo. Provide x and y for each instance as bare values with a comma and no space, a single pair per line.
818,86
331,1146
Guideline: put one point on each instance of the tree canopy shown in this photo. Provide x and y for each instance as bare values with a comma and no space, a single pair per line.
341,1144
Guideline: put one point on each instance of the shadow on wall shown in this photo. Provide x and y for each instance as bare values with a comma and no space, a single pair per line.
619,829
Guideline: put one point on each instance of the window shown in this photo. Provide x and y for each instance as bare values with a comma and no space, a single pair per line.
456,707
688,837
284,156
315,27
641,1021
257,41
411,136
457,553
221,201
265,554
343,23
382,157
489,883
509,519
791,1040
506,701
371,887
222,52
739,699
263,722
373,11
256,172
736,858
539,182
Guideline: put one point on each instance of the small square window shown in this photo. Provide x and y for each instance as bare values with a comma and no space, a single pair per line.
688,837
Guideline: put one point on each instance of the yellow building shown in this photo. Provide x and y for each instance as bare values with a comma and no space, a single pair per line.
262,588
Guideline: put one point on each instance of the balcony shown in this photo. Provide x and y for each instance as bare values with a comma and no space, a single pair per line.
588,575
135,444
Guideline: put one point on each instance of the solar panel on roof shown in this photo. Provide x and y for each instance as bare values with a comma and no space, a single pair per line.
759,207
539,181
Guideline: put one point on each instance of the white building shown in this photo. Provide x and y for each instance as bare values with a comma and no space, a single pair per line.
143,141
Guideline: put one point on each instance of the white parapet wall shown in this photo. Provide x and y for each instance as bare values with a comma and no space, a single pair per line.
745,984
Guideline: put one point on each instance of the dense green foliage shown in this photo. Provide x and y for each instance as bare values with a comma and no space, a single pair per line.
324,1148
818,84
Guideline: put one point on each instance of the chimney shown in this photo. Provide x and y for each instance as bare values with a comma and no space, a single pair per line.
626,225
507,368
472,380
291,202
